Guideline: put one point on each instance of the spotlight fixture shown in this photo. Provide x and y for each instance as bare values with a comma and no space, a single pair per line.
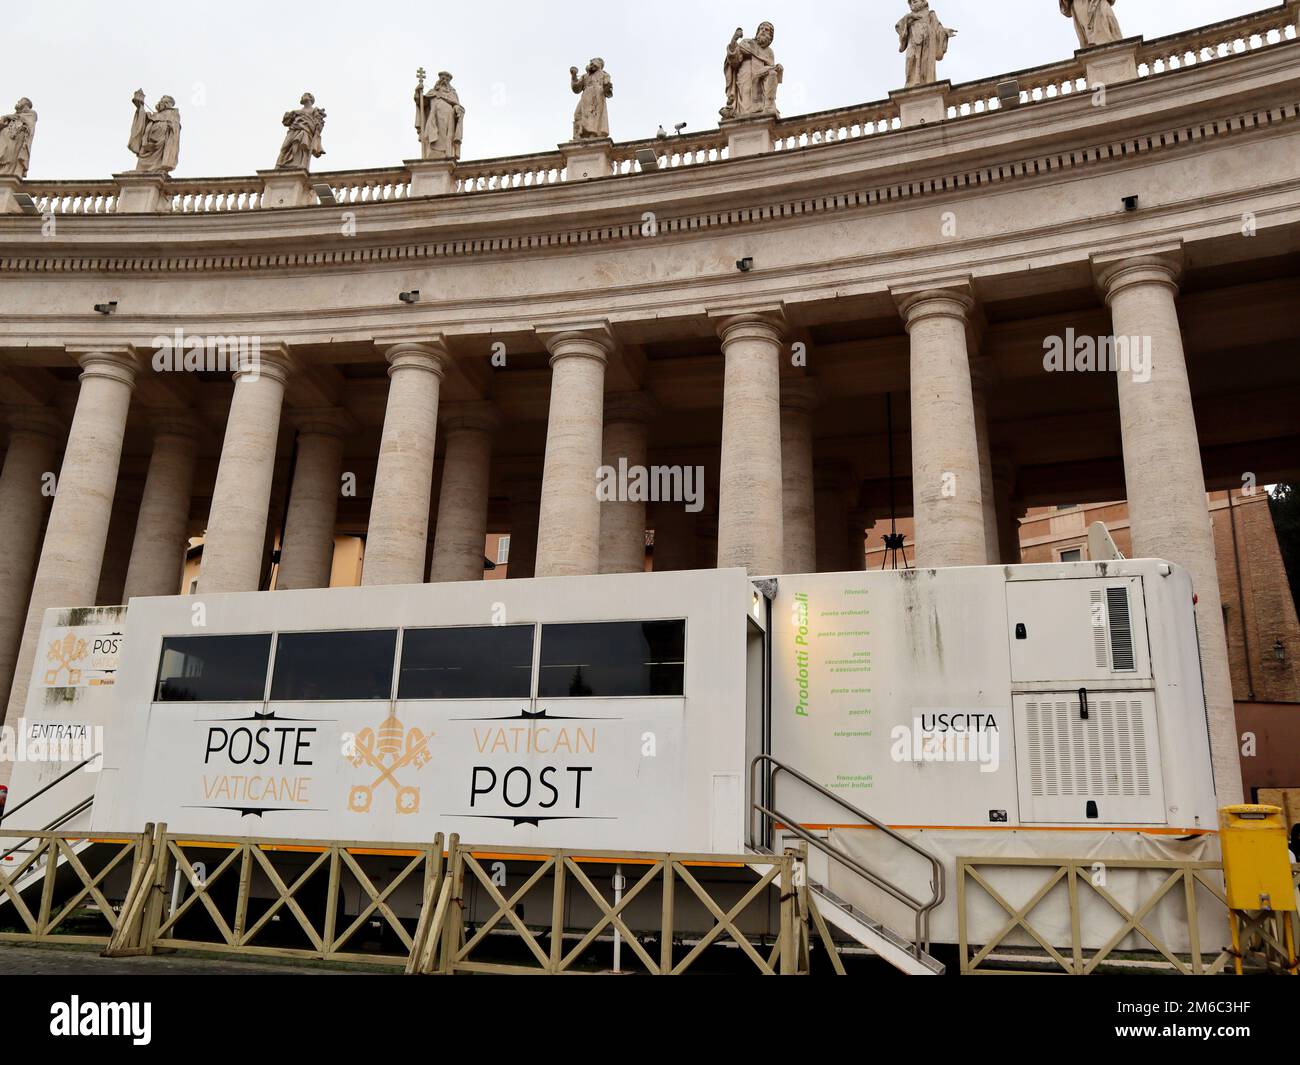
106,308
746,264
325,194
409,297
25,203
1130,203
647,159
1008,94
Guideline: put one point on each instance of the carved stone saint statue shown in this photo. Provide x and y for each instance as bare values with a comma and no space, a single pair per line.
925,40
155,135
439,118
591,116
1094,21
16,133
302,141
752,75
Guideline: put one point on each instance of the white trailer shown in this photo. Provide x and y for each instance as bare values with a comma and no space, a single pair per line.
1023,710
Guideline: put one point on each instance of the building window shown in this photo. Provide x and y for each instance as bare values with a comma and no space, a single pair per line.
1072,554
350,666
503,551
484,662
623,658
213,669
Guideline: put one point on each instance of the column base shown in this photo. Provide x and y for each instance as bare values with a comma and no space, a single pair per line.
922,105
1110,64
142,193
748,136
431,177
586,159
285,188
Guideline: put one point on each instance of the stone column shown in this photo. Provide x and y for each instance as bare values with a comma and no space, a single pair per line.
677,544
980,377
34,437
122,524
623,521
463,500
398,533
857,541
832,520
750,488
568,532
235,540
73,551
525,497
799,397
947,490
1008,514
162,528
307,554
1165,484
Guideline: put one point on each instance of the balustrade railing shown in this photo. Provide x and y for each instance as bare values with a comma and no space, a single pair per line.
1178,51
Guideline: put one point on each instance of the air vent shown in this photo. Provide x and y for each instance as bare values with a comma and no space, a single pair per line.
1104,755
1099,630
1121,631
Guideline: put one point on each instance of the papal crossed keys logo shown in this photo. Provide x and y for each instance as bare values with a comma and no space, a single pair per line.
392,749
62,654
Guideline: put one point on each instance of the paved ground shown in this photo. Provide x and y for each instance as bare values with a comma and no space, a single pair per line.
69,961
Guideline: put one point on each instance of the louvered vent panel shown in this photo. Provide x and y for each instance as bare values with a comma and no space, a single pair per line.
1104,756
1099,630
1121,630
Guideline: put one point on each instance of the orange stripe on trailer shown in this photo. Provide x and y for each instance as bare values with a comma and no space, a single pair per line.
1022,828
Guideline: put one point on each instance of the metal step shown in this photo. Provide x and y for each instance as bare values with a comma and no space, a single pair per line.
876,937
887,943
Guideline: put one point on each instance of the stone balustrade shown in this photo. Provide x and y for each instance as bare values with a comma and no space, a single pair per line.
1042,84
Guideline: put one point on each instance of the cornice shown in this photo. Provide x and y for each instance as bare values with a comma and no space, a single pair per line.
959,157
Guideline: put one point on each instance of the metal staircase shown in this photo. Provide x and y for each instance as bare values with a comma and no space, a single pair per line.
907,955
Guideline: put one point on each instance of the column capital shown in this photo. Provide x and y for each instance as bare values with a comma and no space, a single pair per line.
476,416
946,298
637,407
802,394
271,360
591,339
41,421
322,421
418,351
118,362
766,322
1152,264
167,422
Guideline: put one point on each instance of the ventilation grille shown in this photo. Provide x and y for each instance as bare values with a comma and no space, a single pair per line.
1104,756
1121,630
1099,630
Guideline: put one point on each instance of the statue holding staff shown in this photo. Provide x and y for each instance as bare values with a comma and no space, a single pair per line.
16,133
302,142
1094,21
439,118
591,116
751,73
155,135
925,40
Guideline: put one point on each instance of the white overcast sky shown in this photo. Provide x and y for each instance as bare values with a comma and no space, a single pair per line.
235,66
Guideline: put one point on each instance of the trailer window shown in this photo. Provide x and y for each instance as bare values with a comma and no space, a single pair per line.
481,662
349,666
213,669
622,658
